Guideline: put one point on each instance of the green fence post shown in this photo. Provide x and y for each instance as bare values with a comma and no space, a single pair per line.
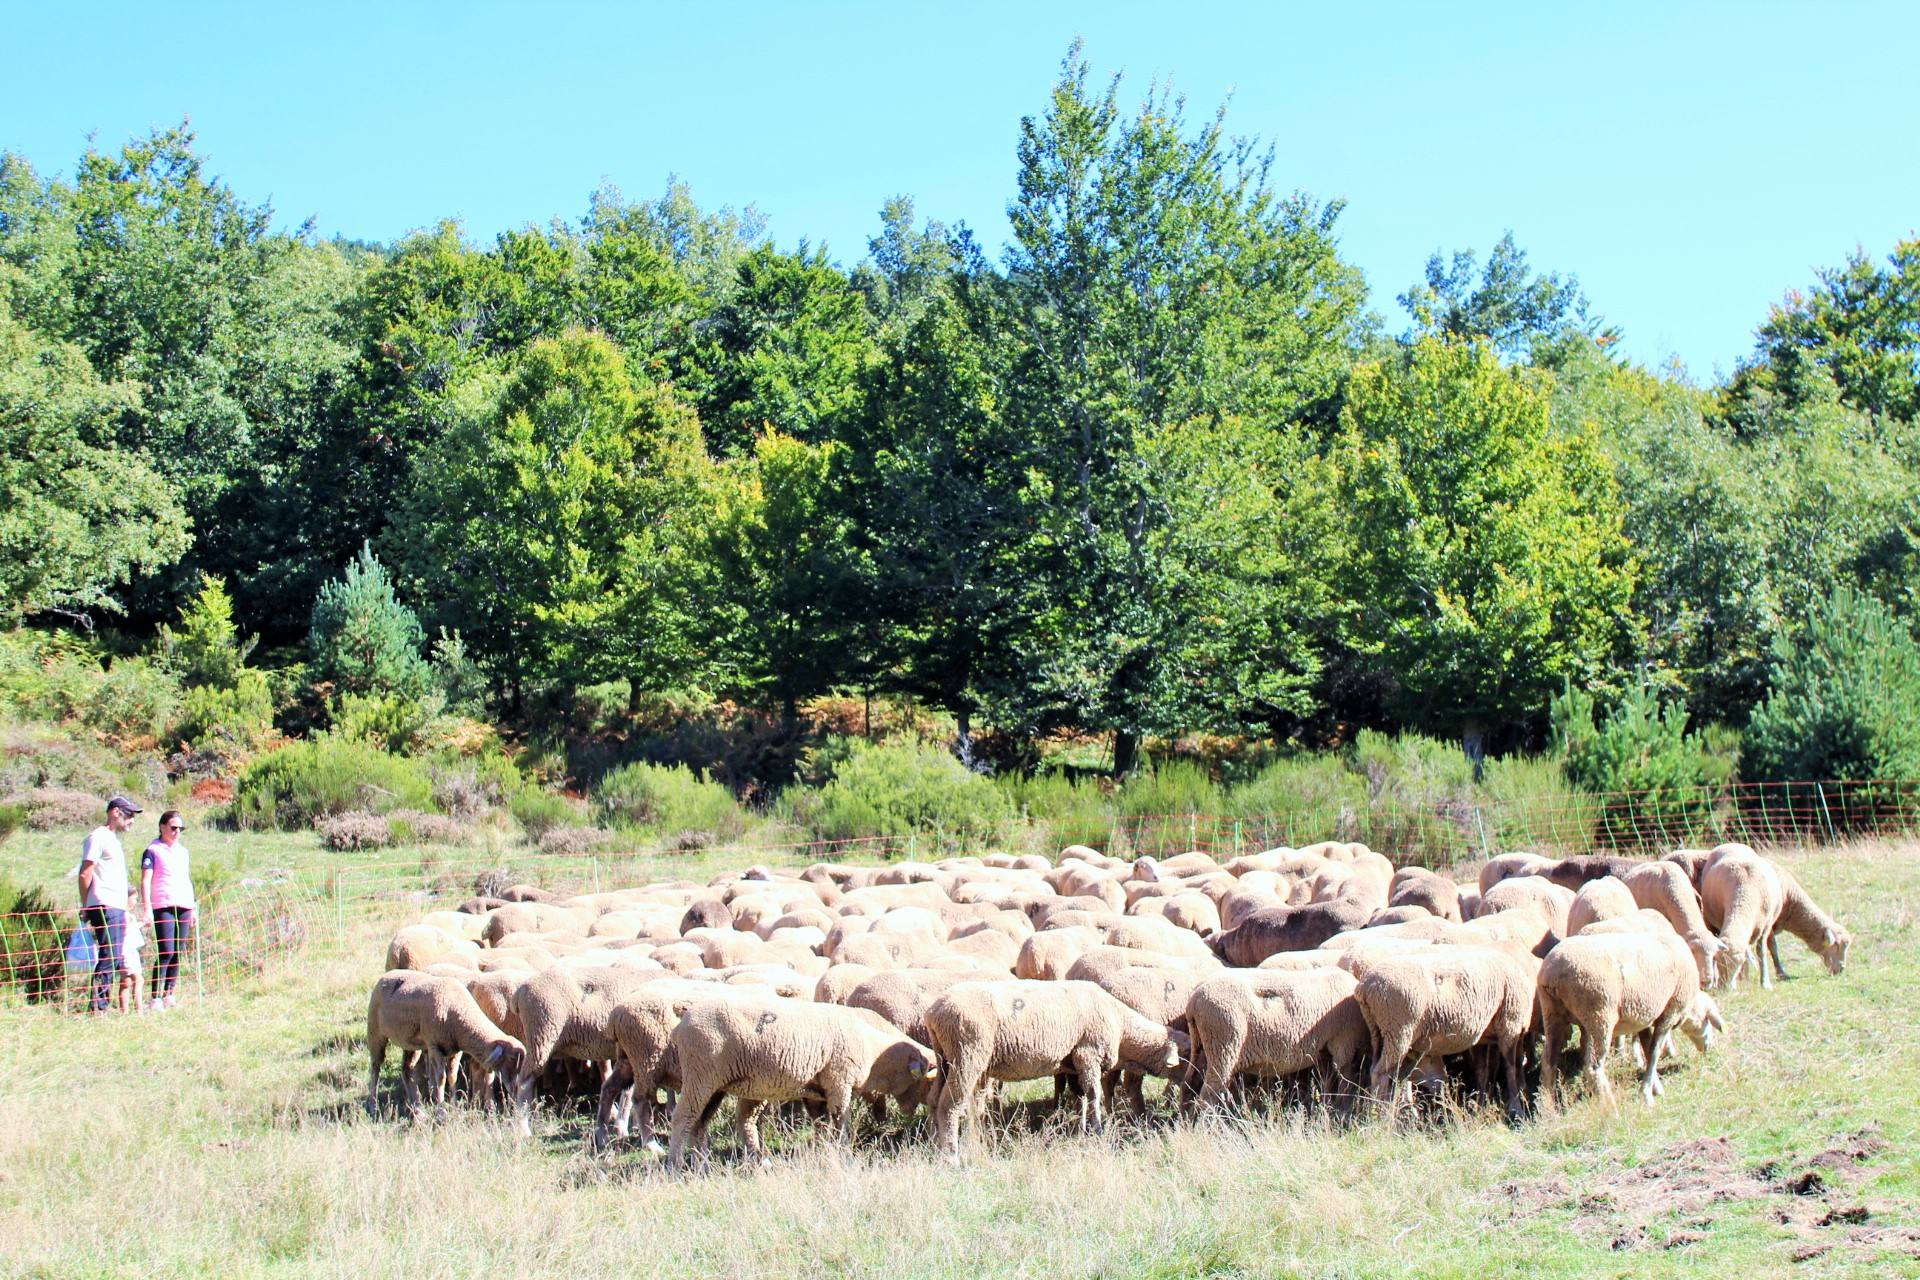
1825,812
339,911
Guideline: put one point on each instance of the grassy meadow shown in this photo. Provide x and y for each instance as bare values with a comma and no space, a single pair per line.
226,1137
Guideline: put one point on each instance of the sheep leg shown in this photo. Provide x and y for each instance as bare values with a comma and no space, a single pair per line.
959,1080
1515,1056
691,1113
1650,1078
1088,1068
749,1120
1596,1038
410,1081
523,1102
1773,949
1393,1056
1222,1060
1759,952
377,1051
616,1096
840,1109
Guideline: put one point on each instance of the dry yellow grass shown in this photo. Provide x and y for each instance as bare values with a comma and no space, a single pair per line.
226,1138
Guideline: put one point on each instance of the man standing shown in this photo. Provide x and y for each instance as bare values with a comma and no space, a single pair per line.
103,896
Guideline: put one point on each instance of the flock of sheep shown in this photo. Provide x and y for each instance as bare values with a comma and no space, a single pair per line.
1323,969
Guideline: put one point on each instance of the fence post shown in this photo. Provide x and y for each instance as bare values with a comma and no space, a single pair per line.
1193,830
199,957
1825,812
1236,837
339,912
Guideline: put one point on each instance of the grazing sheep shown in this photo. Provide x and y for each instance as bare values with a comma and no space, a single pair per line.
1571,873
565,1013
1194,912
1275,929
431,1015
1609,984
1419,887
1507,865
1743,892
1802,917
1604,899
1025,1030
533,917
1049,953
903,996
1664,887
1446,1000
418,945
1274,1023
1530,892
775,1050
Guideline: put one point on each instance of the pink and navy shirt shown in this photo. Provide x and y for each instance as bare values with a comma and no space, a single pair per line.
172,880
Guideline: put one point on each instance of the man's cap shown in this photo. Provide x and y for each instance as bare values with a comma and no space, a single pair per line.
123,804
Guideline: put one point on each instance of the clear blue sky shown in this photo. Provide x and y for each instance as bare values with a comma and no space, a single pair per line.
1689,162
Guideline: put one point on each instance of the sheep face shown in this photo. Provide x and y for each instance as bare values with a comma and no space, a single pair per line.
901,1069
506,1057
1702,1021
1833,949
1728,963
1708,954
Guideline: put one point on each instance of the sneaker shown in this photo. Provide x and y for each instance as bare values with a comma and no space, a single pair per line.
172,1000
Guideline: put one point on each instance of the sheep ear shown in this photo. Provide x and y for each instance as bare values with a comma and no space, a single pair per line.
494,1055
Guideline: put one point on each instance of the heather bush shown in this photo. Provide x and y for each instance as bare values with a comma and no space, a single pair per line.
1299,800
1063,810
348,832
411,826
539,811
574,842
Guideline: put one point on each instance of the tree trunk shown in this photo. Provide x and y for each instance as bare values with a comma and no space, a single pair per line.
634,691
964,747
1126,752
1473,741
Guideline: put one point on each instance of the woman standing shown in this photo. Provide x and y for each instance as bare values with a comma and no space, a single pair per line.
166,883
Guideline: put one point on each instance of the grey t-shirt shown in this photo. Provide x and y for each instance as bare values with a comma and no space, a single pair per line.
109,861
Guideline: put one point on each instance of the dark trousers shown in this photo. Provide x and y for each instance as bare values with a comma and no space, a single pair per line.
109,926
172,927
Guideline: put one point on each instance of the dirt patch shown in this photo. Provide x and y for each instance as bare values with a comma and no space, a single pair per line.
1686,1183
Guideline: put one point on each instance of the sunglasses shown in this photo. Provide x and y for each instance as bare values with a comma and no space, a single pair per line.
175,826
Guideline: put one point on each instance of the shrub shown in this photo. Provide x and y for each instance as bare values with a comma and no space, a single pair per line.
1064,810
1533,806
539,811
37,756
58,809
411,826
1659,776
456,676
362,638
33,936
12,818
1421,806
1844,701
668,799
228,719
574,842
910,789
1299,800
307,780
389,721
133,702
470,787
346,832
1174,786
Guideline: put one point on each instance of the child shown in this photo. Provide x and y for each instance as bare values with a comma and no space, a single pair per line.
132,980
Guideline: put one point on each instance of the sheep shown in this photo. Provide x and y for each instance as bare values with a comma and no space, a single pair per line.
1051,952
1274,929
1194,912
1508,865
1419,887
418,945
432,1015
1742,891
1664,887
902,996
565,1013
532,917
1027,1030
1602,899
1274,1023
1612,983
776,1050
1571,873
1552,900
1147,933
1802,917
1445,1000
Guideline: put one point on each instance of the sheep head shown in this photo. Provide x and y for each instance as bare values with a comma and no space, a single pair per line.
506,1056
1833,949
